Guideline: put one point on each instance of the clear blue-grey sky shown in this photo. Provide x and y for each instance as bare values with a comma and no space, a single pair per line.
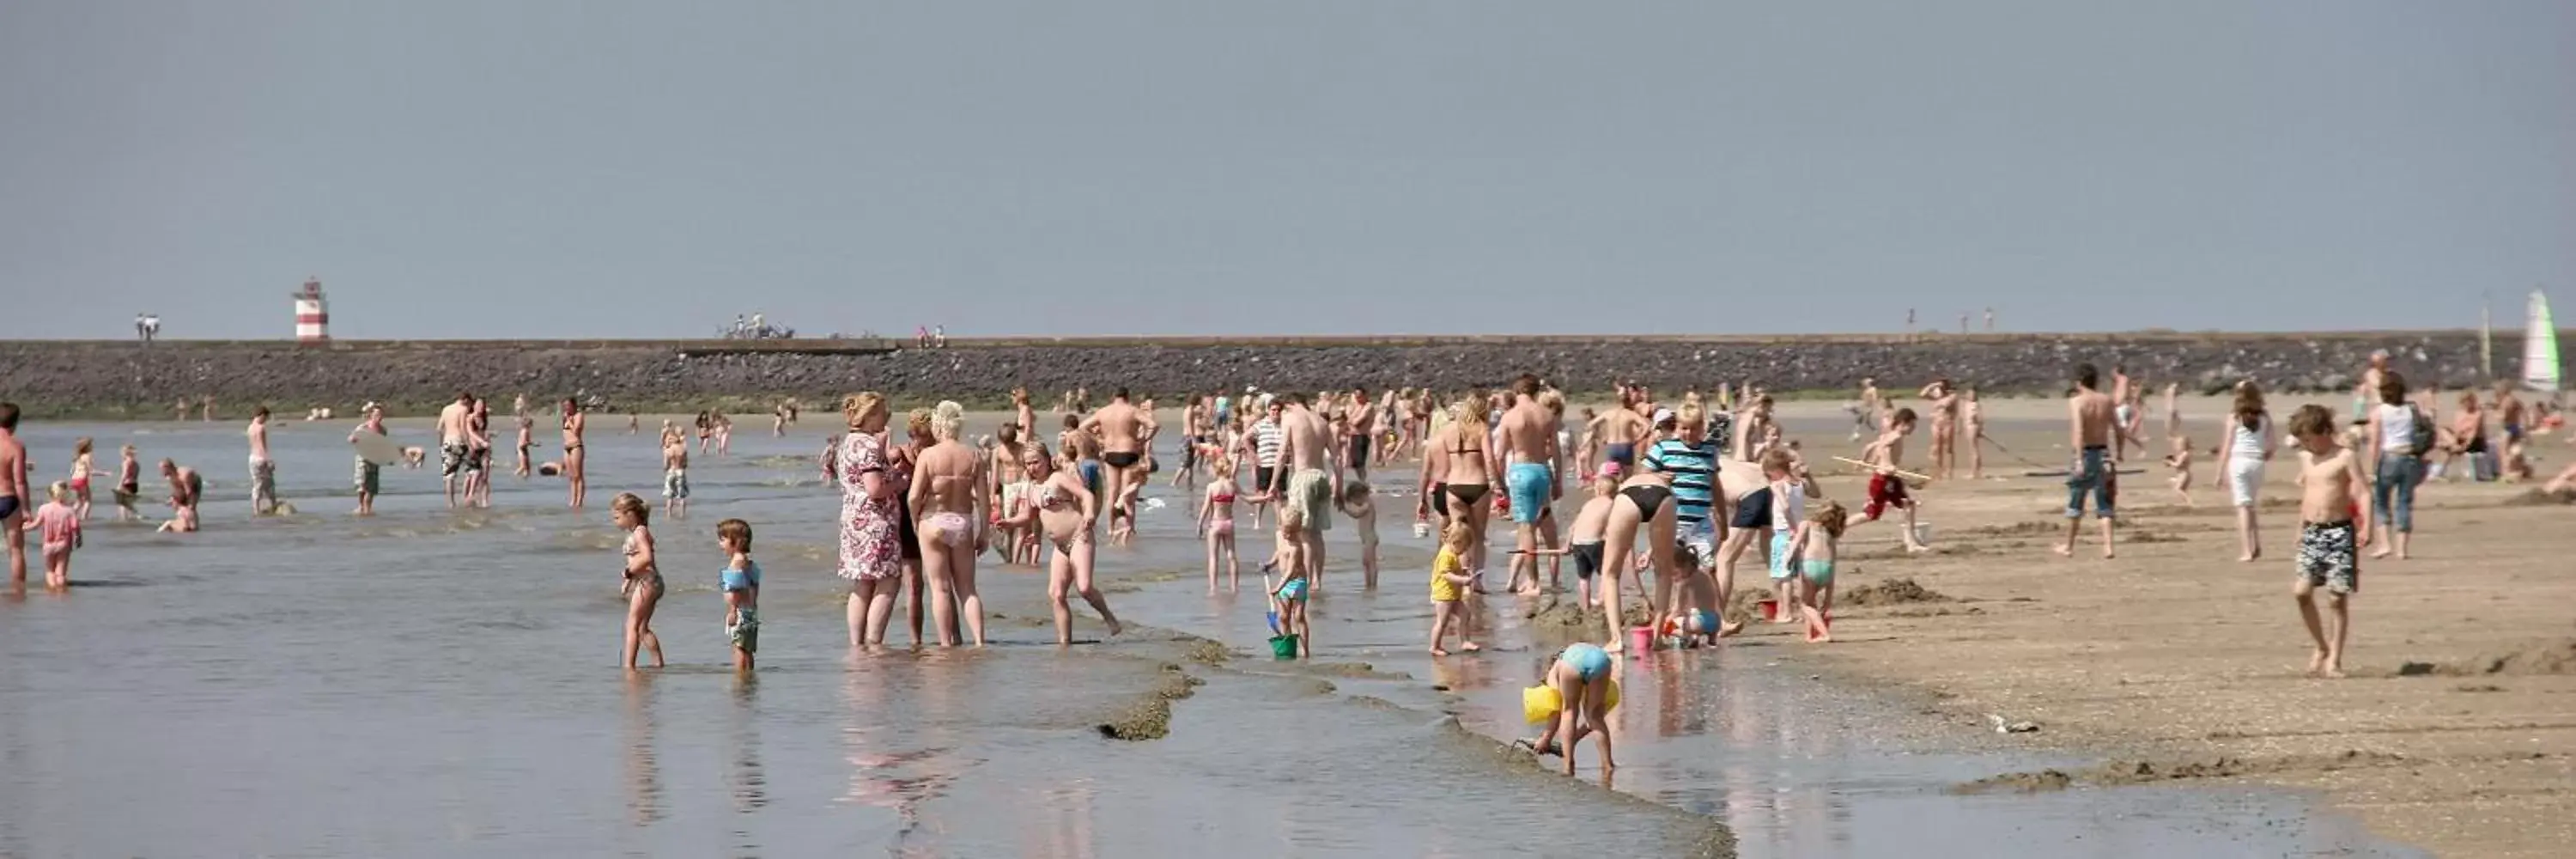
504,168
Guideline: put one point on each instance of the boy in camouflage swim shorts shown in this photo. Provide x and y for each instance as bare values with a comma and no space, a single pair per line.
2331,532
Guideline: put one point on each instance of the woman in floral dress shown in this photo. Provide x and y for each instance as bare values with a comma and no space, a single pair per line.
871,551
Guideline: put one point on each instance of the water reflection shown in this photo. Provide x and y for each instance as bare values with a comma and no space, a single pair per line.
1064,828
643,768
750,786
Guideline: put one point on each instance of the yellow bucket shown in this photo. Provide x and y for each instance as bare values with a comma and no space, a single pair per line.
1539,703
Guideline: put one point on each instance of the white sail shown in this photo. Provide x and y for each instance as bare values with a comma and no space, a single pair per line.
2540,347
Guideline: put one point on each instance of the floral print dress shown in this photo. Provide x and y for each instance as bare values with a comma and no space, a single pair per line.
870,548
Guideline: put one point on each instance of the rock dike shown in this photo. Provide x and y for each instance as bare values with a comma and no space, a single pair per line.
119,379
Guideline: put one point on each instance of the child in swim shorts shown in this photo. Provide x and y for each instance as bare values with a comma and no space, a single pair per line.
740,582
59,524
1575,700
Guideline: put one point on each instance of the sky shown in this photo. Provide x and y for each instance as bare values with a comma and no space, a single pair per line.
546,168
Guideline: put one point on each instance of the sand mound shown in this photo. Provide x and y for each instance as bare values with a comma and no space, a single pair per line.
2548,657
1151,718
2021,529
2130,772
2542,498
1891,592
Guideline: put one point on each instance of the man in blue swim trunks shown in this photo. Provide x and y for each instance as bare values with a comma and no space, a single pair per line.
1529,451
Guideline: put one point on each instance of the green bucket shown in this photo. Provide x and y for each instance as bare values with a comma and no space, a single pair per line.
1283,647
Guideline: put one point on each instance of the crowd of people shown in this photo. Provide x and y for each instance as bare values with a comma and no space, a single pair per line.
1670,495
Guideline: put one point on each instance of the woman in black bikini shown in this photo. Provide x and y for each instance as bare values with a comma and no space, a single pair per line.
574,481
1461,468
1645,499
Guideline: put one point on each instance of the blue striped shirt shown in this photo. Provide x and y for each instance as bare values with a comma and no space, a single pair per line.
1694,471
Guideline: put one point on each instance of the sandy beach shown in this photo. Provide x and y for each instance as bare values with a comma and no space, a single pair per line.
2174,662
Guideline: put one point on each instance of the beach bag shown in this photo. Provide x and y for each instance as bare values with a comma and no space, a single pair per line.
2423,429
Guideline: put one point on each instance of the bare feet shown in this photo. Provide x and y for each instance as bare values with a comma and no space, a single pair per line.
1115,627
1471,647
2380,552
2333,672
2317,663
2063,550
1439,652
1727,629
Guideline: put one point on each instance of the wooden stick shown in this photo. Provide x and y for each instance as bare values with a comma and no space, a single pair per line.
1897,471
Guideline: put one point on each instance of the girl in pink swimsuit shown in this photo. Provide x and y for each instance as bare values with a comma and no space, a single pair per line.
1216,522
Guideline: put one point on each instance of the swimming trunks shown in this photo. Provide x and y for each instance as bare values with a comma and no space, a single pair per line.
1360,453
2092,473
675,484
8,507
1311,490
1589,661
1885,491
1292,590
1440,499
1753,510
1780,565
451,459
1119,458
1529,483
1090,469
1261,477
1818,573
1621,452
1587,559
2329,557
365,477
744,631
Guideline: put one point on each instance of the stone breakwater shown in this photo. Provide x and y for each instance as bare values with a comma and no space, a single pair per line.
117,378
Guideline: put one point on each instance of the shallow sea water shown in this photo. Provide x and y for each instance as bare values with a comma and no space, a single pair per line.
432,683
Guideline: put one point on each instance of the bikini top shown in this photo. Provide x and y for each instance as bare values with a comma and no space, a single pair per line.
1227,498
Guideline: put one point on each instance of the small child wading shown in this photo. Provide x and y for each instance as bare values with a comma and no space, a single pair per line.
1449,583
642,584
58,525
1288,598
1356,504
740,582
1574,700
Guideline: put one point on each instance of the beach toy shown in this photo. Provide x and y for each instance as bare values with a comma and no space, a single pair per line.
1770,609
1539,703
1283,647
1641,638
1421,529
1923,533
1274,621
377,448
1703,621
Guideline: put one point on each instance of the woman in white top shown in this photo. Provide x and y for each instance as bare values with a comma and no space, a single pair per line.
2392,448
2249,444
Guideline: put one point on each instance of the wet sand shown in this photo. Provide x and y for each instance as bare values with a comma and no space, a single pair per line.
2175,664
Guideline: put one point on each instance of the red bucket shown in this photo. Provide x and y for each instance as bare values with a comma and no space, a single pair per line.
1770,609
1641,638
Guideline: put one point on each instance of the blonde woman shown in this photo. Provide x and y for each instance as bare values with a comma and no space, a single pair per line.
871,558
948,496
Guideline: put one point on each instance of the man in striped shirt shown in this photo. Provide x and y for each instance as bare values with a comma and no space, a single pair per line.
1264,441
1699,502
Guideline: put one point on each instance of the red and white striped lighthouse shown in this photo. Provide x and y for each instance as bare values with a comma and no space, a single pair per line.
312,316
